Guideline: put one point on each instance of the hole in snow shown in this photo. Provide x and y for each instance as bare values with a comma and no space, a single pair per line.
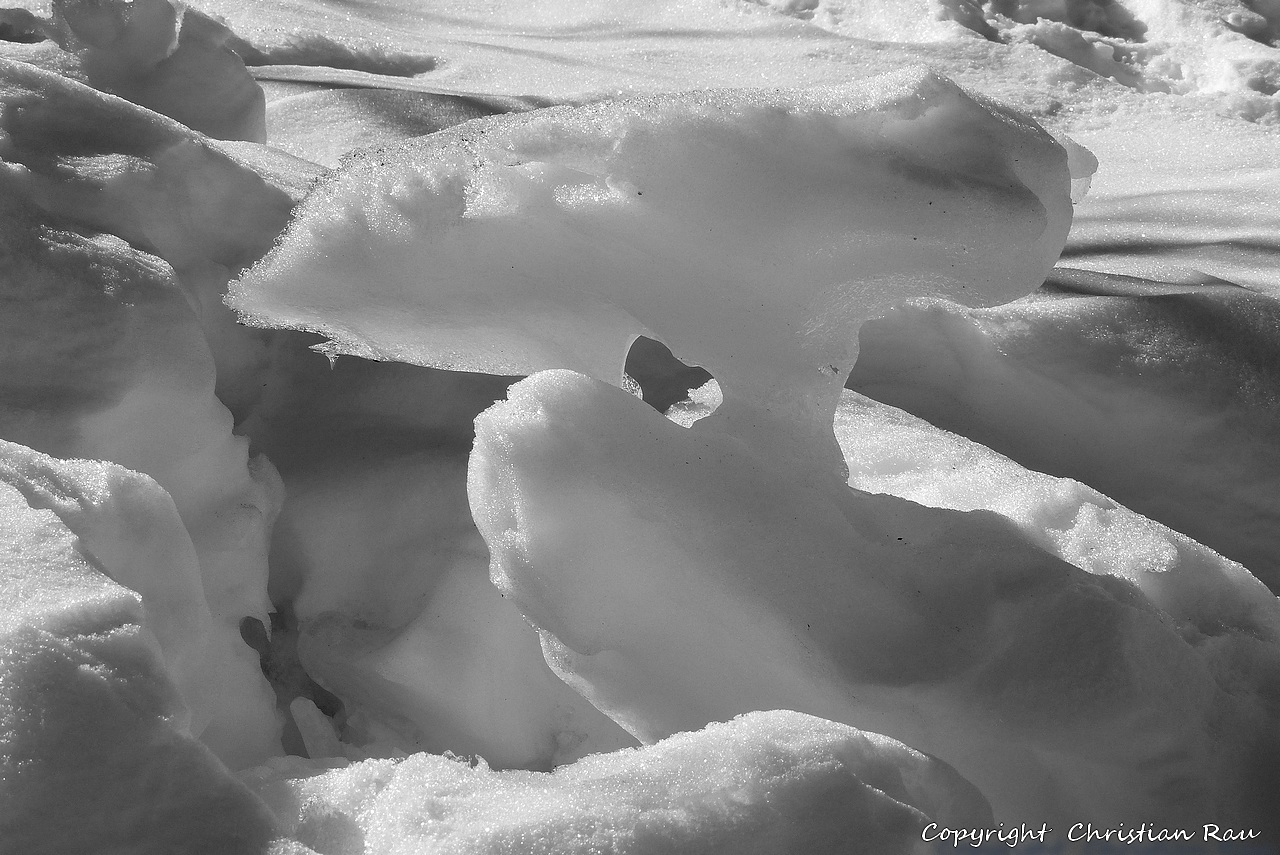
664,380
255,635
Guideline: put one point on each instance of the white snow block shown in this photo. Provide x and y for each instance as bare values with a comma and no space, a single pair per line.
678,576
750,231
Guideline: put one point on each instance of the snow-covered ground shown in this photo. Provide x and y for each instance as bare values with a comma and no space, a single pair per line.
639,426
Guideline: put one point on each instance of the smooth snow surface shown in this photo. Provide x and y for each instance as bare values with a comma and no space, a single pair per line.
763,783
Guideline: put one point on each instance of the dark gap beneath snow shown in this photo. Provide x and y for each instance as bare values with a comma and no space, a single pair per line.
21,26
664,379
284,671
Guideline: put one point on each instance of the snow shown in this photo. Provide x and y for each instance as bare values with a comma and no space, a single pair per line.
93,726
104,359
1056,586
750,786
155,53
398,618
679,577
844,201
1164,402
325,125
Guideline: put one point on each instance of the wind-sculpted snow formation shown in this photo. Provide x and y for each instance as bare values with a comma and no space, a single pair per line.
678,576
751,232
779,617
88,160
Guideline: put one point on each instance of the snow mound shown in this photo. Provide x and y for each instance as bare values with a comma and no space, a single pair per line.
91,726
156,53
890,451
97,163
768,782
1165,403
554,238
677,576
103,358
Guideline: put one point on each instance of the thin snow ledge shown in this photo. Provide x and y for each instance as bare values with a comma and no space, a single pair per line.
751,231
765,783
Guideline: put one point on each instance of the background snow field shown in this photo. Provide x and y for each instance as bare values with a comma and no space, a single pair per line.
639,426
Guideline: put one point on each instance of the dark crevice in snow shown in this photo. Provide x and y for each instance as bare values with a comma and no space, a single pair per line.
664,379
312,411
283,670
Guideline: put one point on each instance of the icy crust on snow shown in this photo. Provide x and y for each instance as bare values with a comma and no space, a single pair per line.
554,238
766,782
677,576
95,746
1166,403
156,53
101,357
